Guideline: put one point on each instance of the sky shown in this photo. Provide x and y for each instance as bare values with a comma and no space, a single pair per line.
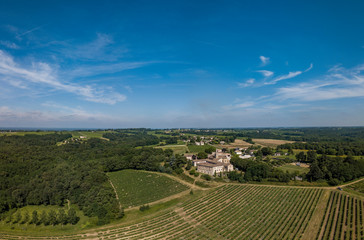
181,64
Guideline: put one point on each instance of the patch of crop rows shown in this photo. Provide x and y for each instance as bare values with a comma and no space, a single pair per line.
343,218
232,212
169,225
255,212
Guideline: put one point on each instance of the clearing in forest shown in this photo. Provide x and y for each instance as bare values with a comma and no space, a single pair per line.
135,188
293,168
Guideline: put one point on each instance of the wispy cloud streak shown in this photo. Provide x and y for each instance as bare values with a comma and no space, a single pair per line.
342,83
43,74
247,83
266,73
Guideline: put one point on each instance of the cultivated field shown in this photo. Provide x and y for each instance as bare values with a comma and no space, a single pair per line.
270,142
343,218
197,148
135,188
238,143
177,149
234,211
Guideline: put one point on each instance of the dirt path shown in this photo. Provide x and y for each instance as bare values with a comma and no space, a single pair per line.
116,194
347,184
193,186
178,195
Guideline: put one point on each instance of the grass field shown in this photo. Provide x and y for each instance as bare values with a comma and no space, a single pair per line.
197,148
135,188
292,168
177,149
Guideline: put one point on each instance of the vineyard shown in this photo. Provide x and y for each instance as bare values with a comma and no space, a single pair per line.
343,218
137,187
231,212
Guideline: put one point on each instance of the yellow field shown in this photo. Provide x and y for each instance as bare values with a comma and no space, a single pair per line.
270,142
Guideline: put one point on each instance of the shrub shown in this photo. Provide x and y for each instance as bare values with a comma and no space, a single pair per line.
178,171
144,208
206,177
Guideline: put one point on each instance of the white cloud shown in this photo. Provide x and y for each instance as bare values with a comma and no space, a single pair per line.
288,76
29,31
247,83
56,116
84,71
239,105
265,60
284,77
43,75
343,83
10,45
309,68
266,73
99,49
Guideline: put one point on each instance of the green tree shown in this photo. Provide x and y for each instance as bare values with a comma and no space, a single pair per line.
17,217
267,151
62,217
52,217
311,156
44,218
210,149
202,155
301,157
121,213
72,217
35,219
10,218
26,218
315,172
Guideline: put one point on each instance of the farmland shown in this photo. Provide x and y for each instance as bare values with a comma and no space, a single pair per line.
177,149
343,218
234,211
270,142
135,188
196,148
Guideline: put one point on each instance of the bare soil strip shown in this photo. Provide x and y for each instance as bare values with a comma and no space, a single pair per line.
116,194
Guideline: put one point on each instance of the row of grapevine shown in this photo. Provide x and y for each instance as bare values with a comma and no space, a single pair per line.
255,212
235,211
343,218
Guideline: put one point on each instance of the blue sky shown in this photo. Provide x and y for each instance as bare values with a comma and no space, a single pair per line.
164,64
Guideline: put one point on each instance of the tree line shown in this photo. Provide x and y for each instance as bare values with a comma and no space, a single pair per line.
47,218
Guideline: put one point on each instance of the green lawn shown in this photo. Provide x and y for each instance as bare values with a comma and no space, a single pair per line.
135,188
196,148
292,168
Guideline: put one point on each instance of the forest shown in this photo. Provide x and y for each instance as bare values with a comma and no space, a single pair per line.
35,171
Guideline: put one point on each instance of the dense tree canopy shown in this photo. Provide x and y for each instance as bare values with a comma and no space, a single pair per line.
34,170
